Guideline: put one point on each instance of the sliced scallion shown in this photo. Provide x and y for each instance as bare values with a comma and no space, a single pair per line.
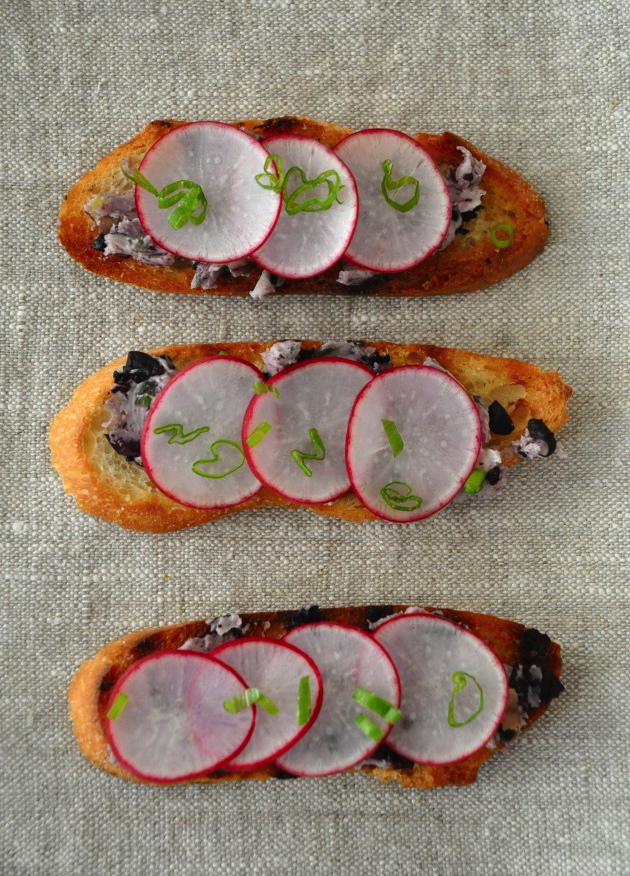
117,706
259,433
394,437
365,725
386,710
304,708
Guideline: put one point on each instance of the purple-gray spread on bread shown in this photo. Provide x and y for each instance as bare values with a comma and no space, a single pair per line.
286,353
464,192
120,231
221,629
207,274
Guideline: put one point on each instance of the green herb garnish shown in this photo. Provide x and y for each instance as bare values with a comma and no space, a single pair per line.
377,704
304,708
211,460
117,706
475,481
299,456
394,437
268,179
259,433
179,436
261,388
365,725
389,184
188,195
506,228
399,496
460,682
248,698
292,205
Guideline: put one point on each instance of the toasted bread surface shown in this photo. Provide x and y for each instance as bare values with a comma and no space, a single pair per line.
105,484
512,642
469,263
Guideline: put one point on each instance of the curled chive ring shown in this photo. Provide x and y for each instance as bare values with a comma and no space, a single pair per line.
298,456
192,203
400,499
460,682
389,184
506,228
215,457
278,183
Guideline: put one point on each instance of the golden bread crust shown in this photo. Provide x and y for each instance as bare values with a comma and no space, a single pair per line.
469,263
90,688
105,484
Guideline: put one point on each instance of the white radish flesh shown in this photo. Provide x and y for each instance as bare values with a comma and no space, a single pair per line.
191,440
305,242
305,417
454,688
280,671
347,659
224,162
405,208
413,439
168,720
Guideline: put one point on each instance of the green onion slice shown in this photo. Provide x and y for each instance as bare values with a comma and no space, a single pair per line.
330,178
399,496
475,481
377,704
394,437
389,184
268,179
259,433
298,456
179,436
117,707
215,457
248,698
368,727
505,228
261,388
188,195
304,708
460,681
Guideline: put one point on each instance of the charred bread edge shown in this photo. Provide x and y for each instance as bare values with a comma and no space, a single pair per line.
460,267
77,428
76,433
513,643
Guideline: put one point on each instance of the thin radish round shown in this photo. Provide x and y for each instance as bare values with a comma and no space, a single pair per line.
319,208
454,688
292,686
166,721
294,434
222,162
191,440
405,208
359,677
413,439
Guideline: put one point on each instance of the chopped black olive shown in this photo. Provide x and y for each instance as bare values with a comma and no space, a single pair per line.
124,443
282,774
99,243
469,177
375,613
500,421
462,230
541,432
140,366
392,758
470,214
506,735
494,475
310,614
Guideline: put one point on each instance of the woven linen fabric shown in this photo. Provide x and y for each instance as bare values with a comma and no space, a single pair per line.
543,87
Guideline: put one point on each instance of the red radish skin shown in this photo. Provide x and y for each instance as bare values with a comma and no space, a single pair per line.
240,215
248,375
385,239
229,654
293,409
238,728
308,243
365,420
339,684
484,663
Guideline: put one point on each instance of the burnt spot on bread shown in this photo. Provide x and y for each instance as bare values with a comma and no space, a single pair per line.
146,646
500,421
392,758
309,614
279,125
107,681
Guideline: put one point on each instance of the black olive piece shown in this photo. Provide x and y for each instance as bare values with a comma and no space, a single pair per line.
282,774
494,475
397,761
541,432
99,243
506,735
500,421
126,444
462,230
310,614
469,177
375,613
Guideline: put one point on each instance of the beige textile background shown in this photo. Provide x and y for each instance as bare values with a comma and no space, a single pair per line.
543,87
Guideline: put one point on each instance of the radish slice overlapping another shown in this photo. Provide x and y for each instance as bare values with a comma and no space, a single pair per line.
405,207
454,688
198,197
413,439
361,699
319,208
191,440
294,434
292,686
166,720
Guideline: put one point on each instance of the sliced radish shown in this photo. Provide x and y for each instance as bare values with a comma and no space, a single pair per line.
289,679
191,440
166,720
304,418
317,218
355,669
413,439
454,688
405,208
224,162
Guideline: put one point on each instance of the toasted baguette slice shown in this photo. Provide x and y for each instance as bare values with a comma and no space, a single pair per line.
469,263
105,484
514,644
